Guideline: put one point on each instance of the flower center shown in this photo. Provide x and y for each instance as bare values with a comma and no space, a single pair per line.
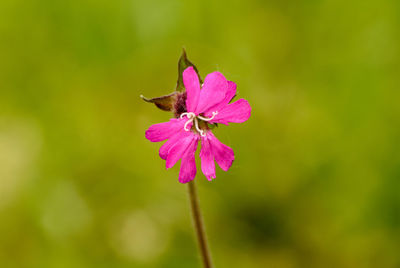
193,118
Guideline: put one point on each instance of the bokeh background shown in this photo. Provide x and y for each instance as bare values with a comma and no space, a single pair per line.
316,180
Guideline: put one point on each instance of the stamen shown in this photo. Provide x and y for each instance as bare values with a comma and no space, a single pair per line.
208,119
187,123
192,117
196,124
189,115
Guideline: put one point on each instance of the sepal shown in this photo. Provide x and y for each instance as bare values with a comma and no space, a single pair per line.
165,103
176,101
184,63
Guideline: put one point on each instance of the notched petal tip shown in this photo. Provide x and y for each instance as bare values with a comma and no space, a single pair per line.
235,112
211,178
162,131
186,180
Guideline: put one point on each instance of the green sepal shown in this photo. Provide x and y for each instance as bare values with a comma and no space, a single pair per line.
212,126
184,63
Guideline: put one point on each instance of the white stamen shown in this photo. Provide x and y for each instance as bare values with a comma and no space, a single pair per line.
196,124
192,117
208,119
189,115
187,123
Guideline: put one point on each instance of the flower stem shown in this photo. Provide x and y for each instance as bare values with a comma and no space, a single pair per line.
199,225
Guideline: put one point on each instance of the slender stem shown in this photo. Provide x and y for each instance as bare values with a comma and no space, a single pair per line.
199,225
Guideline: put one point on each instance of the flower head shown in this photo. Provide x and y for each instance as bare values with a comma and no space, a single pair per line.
197,109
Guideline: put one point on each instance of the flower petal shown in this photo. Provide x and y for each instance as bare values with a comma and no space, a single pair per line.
192,85
178,150
163,152
212,93
222,154
229,95
163,131
207,159
188,169
230,92
235,112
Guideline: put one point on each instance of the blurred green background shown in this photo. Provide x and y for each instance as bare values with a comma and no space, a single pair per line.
316,180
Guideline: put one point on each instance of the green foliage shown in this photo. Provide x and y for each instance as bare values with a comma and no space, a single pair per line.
315,181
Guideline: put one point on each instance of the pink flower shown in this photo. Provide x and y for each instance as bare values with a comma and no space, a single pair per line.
202,106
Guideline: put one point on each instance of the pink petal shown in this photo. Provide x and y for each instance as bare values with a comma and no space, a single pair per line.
188,169
163,152
178,150
213,92
207,159
231,92
235,112
222,154
163,131
229,95
192,85
180,134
